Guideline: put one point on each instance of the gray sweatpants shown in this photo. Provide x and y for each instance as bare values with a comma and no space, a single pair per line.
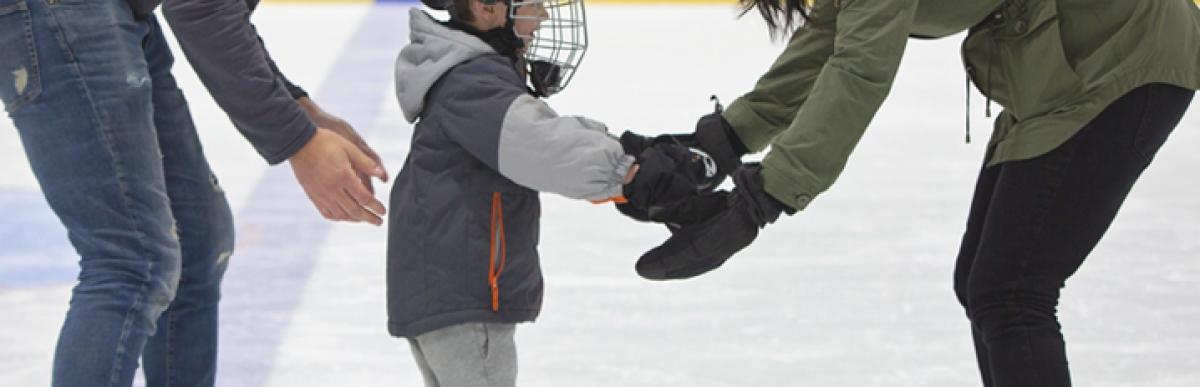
467,355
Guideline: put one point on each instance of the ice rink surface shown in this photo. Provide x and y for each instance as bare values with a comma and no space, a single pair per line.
854,291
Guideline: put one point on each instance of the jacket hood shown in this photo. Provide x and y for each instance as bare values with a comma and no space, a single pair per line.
433,50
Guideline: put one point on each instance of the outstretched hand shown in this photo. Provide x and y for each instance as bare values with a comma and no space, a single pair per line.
669,172
696,248
328,168
666,173
334,123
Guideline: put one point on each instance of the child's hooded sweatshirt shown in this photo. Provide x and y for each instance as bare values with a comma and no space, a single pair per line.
463,220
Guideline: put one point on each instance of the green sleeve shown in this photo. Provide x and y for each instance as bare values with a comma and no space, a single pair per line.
813,105
770,107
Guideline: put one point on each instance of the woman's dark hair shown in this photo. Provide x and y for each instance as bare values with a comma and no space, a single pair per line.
780,15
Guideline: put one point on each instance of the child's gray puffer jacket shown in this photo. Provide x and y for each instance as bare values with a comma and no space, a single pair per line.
463,221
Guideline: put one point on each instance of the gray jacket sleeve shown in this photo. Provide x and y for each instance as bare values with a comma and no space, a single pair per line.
571,156
482,107
223,48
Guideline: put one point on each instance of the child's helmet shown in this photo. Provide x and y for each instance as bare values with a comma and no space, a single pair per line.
556,50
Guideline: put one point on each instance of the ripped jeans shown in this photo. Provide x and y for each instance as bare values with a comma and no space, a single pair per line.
110,139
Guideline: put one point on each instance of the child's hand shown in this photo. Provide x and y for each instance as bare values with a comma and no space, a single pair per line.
630,175
666,173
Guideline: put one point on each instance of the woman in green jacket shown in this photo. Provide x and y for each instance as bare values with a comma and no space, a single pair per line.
1090,89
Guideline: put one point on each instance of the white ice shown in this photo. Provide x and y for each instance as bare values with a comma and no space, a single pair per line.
854,291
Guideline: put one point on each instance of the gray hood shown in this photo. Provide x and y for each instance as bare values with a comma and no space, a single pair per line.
433,50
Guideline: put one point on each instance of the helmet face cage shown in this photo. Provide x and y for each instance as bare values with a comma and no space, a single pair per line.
556,49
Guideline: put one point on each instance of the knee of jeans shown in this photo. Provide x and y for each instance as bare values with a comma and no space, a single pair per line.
137,78
163,285
159,290
215,232
221,237
208,244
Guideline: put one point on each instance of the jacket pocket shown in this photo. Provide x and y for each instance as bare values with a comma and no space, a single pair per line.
1019,59
20,79
487,239
497,248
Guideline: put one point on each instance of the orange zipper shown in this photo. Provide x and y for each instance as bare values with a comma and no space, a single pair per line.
497,230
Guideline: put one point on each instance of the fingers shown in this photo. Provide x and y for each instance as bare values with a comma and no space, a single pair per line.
366,181
383,175
362,198
347,132
353,198
337,203
328,170
357,211
329,208
355,194
362,146
327,214
364,163
353,136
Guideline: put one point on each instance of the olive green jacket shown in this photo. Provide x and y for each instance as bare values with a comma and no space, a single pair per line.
1052,64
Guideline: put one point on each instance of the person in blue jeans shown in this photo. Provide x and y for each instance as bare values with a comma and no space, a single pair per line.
110,139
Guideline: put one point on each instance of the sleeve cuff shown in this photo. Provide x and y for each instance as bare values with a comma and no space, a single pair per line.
793,193
748,126
294,145
615,189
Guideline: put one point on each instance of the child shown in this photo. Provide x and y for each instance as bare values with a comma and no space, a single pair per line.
462,246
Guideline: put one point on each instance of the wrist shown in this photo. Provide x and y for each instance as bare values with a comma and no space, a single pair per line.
630,174
309,106
309,149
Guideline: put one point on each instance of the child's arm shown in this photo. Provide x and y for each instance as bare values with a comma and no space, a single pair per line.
523,139
568,155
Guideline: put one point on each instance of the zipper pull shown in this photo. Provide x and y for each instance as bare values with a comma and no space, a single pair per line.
970,70
718,108
495,296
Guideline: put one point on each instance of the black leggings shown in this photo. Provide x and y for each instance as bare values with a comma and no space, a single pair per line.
1033,222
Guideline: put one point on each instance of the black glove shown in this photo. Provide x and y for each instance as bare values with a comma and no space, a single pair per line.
667,173
697,248
716,137
713,136
688,210
634,144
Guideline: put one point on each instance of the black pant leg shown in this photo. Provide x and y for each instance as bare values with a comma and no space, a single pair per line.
984,187
1040,218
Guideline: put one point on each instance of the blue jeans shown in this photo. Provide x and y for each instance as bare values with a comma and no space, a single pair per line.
112,144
